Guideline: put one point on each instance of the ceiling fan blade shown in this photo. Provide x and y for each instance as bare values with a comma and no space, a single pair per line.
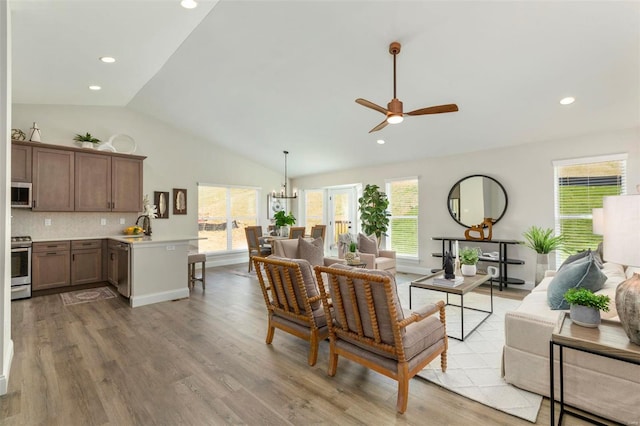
371,105
379,126
434,110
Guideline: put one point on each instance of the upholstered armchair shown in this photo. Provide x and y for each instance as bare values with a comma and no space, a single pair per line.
290,249
293,302
370,328
369,252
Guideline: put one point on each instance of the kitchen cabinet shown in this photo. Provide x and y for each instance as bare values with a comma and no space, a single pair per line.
50,265
20,163
86,261
126,184
53,173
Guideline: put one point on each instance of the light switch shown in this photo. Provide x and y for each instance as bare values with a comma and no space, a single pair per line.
47,222
170,248
103,221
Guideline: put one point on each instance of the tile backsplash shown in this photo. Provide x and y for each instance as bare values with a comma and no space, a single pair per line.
66,225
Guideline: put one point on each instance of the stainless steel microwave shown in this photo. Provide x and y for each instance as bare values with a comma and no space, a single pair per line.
21,195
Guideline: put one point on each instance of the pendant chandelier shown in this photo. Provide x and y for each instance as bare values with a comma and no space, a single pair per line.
283,192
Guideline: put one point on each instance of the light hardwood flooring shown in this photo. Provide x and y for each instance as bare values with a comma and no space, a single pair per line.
200,361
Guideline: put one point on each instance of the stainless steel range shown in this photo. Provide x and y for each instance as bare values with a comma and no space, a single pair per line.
20,267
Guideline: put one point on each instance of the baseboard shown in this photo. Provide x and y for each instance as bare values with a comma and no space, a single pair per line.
6,369
165,296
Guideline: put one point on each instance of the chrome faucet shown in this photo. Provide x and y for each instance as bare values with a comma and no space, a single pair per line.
146,224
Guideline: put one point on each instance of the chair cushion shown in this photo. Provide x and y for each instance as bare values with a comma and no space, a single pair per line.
308,279
312,251
581,273
421,335
385,263
368,244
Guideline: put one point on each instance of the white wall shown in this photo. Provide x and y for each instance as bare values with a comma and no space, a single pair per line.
175,159
525,171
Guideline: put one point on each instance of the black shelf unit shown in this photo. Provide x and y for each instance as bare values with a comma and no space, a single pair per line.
503,260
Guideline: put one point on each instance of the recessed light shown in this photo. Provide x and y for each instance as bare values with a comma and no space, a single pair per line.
568,100
380,142
107,59
94,87
189,4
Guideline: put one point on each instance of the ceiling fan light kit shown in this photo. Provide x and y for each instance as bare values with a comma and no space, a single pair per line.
394,113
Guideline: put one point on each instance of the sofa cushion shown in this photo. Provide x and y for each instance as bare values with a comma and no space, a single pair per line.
581,273
582,255
632,270
385,263
311,251
368,244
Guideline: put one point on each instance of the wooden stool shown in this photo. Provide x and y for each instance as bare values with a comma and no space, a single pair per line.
191,269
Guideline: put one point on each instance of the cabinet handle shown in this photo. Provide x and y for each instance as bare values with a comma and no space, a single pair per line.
73,257
34,203
52,254
86,244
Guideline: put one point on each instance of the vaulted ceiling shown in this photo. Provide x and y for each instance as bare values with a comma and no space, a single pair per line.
258,77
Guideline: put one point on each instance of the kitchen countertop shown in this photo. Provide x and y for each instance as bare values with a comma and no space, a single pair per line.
128,239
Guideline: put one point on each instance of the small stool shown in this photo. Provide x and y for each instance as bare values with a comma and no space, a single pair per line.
191,269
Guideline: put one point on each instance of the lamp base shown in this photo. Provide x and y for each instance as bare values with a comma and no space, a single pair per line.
628,307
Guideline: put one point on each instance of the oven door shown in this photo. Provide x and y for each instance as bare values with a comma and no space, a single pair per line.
20,265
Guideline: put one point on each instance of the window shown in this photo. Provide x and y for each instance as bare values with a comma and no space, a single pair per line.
580,186
223,213
313,208
403,222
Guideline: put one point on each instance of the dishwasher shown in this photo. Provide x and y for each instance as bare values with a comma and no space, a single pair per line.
120,267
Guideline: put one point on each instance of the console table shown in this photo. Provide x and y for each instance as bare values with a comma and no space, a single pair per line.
503,260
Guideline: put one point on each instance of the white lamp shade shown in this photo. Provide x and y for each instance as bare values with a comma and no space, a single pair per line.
597,222
621,242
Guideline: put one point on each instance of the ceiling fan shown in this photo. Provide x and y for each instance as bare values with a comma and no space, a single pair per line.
394,108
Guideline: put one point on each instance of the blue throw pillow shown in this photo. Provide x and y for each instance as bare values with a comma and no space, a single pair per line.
581,273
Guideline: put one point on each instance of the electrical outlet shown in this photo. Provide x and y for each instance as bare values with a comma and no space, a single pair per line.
103,221
170,248
47,222
122,222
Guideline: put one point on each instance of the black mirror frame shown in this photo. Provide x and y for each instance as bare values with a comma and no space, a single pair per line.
506,199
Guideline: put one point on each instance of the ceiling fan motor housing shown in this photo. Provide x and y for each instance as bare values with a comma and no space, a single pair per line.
395,107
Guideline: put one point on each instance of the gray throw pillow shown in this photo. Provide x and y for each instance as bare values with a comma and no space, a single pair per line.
311,251
581,273
368,244
581,255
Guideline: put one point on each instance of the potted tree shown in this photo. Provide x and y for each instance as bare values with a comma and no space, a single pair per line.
543,242
373,211
469,258
87,140
283,222
585,306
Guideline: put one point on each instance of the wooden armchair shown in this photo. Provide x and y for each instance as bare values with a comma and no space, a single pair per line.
296,231
318,231
293,301
370,328
253,234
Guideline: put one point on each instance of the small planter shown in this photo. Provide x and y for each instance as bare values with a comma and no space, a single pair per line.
585,316
89,145
468,270
282,231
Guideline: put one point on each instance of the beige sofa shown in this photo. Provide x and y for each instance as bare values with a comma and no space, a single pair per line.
289,249
602,386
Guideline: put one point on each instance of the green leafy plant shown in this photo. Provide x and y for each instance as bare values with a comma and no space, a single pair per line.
469,256
541,240
353,247
283,219
373,211
86,138
585,297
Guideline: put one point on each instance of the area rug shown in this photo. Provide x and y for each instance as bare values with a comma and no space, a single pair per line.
474,366
85,296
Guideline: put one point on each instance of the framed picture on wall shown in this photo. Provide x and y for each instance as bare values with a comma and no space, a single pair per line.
275,205
161,200
179,201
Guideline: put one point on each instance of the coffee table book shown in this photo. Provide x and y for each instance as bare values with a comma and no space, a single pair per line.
441,280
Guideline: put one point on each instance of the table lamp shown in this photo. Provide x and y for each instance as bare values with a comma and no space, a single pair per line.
622,245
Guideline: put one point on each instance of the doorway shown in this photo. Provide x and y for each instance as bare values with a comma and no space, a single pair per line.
342,214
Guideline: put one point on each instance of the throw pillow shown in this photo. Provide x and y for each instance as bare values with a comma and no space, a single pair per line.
311,251
575,257
368,244
581,273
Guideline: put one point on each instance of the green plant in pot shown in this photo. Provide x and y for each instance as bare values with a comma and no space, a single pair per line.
87,140
469,257
373,211
543,242
283,221
351,256
585,306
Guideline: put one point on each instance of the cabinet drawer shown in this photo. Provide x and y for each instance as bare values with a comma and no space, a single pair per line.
86,244
51,246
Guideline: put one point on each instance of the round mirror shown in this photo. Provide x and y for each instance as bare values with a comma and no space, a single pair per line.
476,197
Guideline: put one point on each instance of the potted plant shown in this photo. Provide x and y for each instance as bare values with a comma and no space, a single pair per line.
351,256
585,306
543,242
373,211
283,222
87,140
469,258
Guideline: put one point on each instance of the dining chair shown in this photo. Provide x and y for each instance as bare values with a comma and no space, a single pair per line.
296,231
253,244
318,231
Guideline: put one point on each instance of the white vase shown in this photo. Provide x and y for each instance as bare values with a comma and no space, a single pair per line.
88,145
468,270
542,264
35,133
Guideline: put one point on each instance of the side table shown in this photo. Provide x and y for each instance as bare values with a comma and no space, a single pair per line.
608,340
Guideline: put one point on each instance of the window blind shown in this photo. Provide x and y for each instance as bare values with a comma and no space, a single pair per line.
403,222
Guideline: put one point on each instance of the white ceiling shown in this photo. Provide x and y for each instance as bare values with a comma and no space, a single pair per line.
261,76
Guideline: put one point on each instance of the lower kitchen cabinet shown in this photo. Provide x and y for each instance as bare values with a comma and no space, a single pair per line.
50,265
86,261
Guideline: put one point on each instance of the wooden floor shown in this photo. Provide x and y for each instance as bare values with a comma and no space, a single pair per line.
200,361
